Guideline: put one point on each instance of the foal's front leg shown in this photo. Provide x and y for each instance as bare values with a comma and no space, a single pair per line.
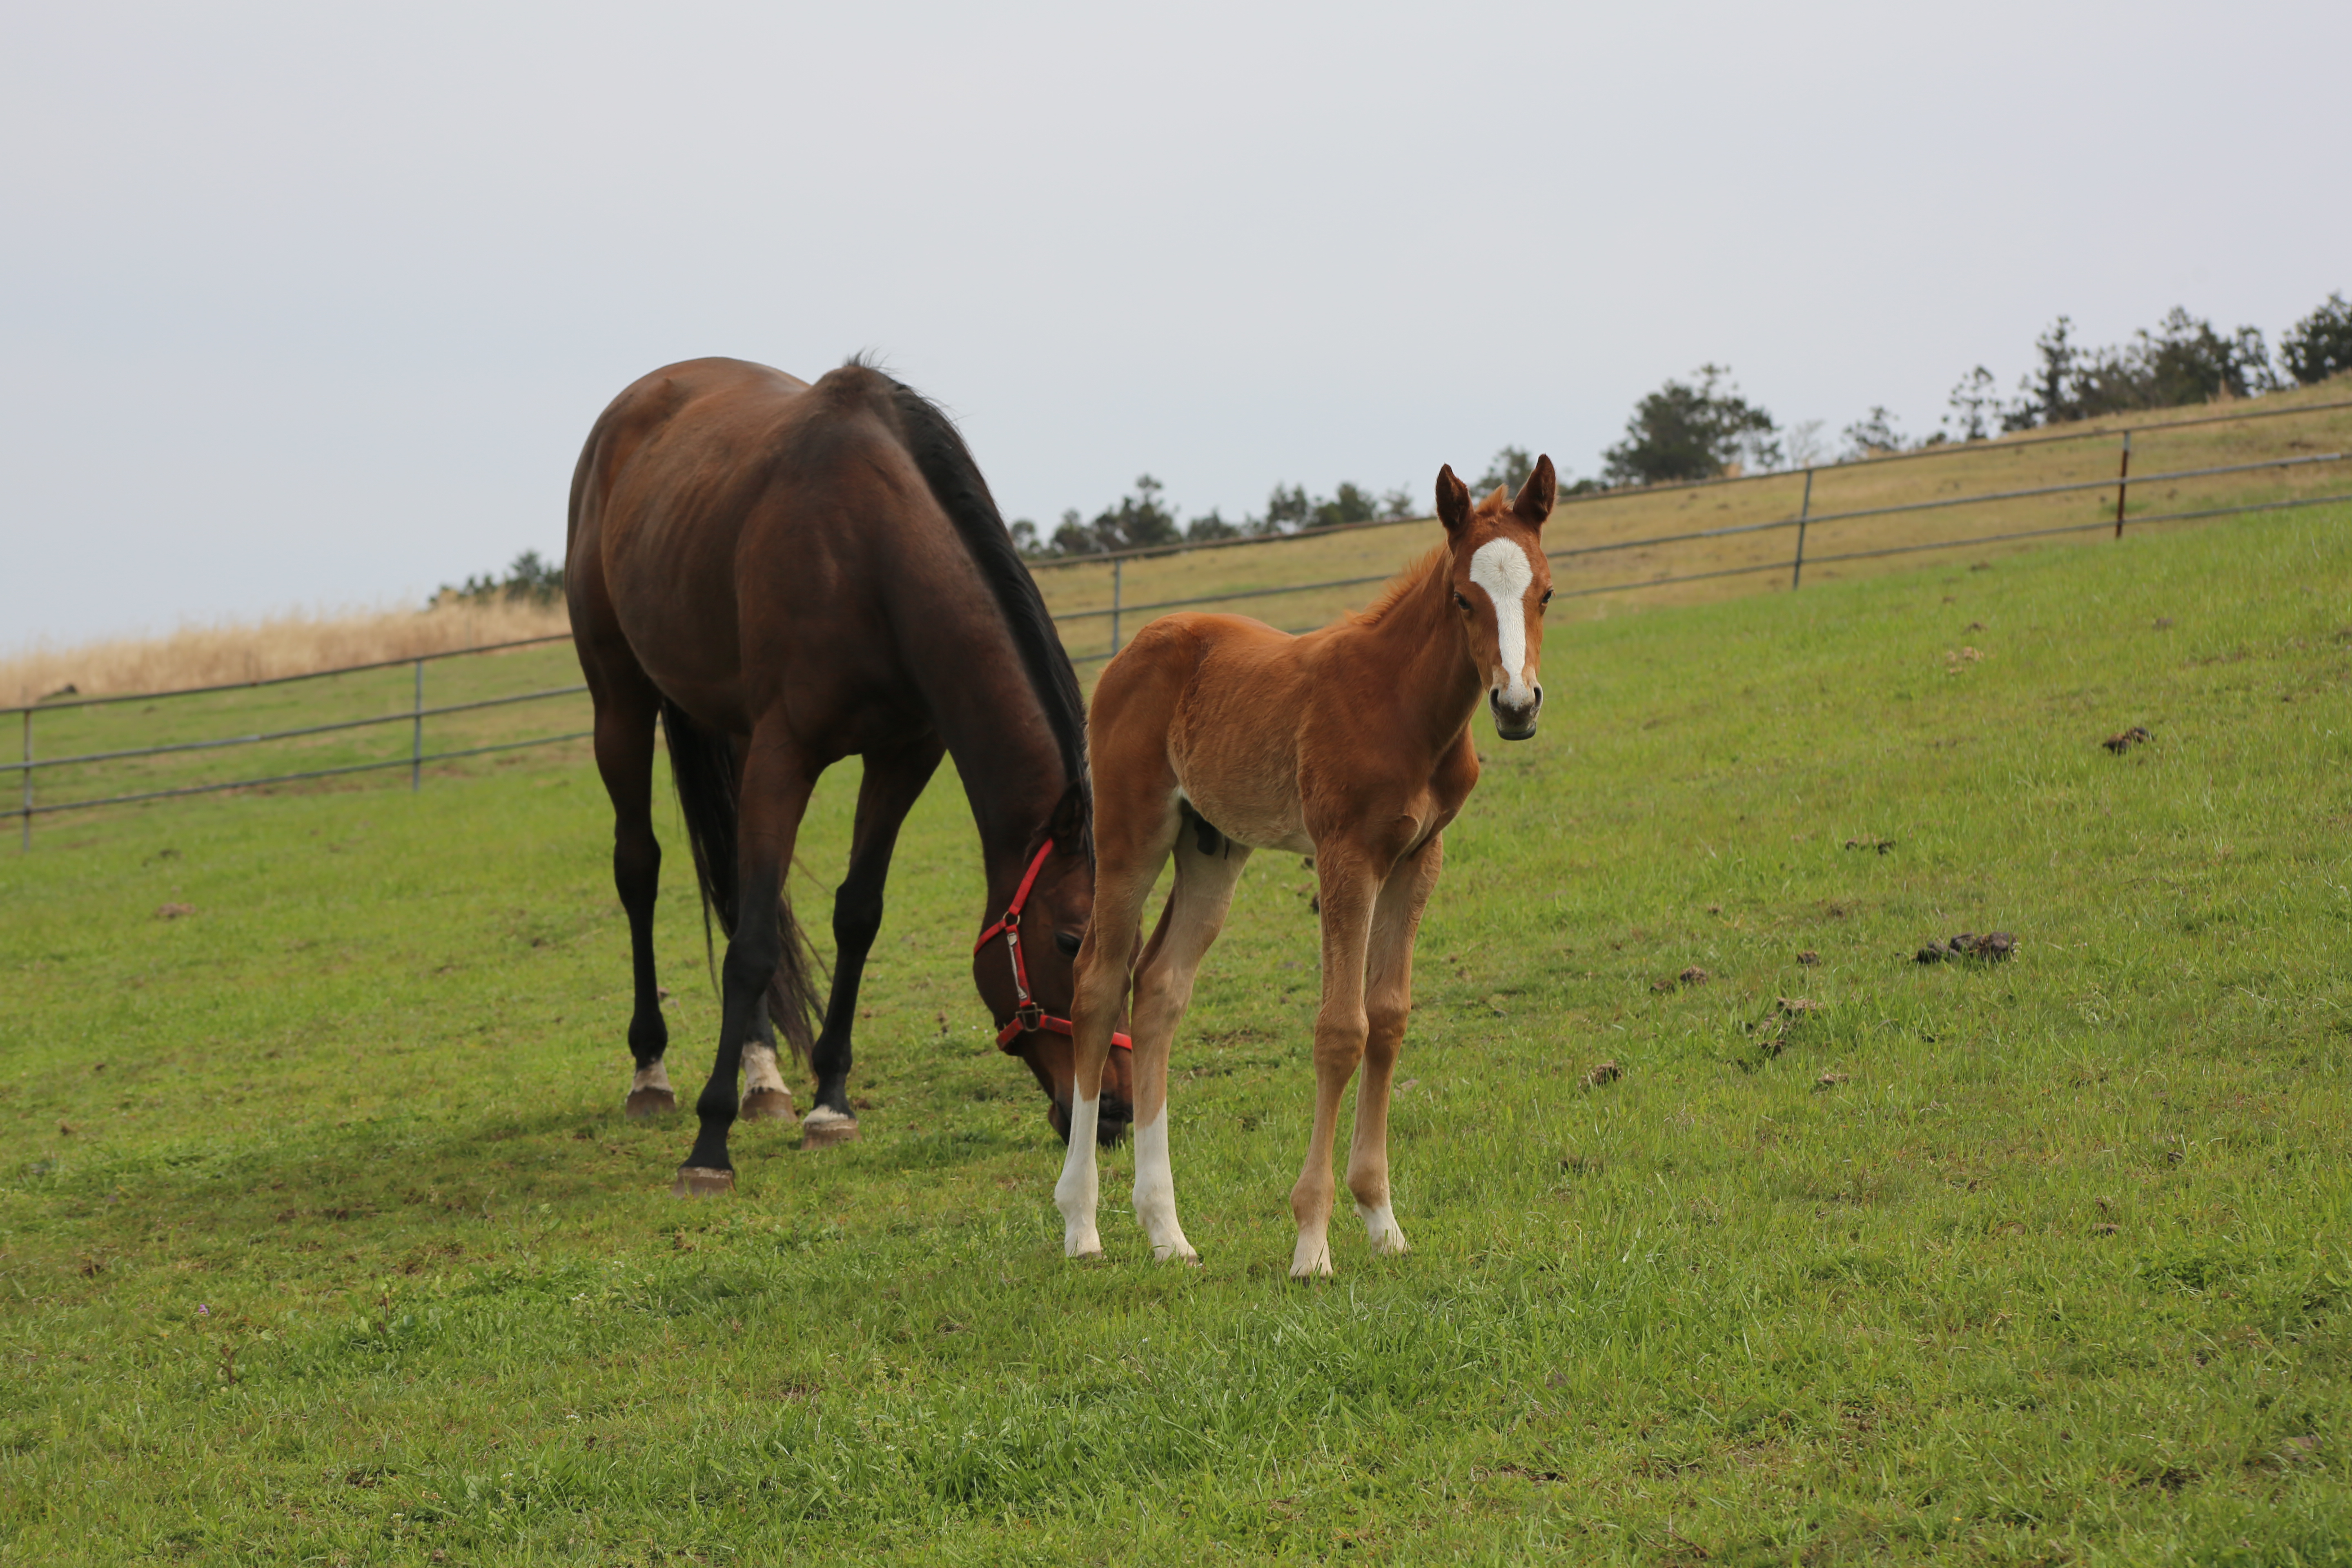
1131,848
1388,995
1163,987
1347,891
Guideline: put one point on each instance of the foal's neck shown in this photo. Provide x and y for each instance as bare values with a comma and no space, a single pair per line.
1419,635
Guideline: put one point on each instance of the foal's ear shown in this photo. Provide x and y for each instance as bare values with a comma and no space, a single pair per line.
1537,495
1452,500
1067,826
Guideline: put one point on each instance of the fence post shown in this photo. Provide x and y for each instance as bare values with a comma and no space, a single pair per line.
25,845
2123,483
417,734
1118,570
1797,571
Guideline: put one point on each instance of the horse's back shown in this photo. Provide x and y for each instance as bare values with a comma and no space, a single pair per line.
740,532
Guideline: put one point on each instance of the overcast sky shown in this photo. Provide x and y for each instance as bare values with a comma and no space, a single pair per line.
308,305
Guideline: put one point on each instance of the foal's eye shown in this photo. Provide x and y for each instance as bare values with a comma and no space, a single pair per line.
1547,598
1462,601
1066,942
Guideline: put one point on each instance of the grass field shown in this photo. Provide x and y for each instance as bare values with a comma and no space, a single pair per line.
321,1238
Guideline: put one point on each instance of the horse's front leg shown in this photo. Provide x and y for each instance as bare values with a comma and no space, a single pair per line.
775,792
1388,999
1348,890
893,782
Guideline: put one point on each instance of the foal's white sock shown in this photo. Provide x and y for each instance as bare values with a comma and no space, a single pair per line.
1076,1193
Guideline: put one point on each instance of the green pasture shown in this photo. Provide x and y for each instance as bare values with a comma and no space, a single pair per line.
323,1239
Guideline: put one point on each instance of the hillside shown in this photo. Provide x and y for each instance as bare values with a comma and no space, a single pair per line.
2025,461
202,656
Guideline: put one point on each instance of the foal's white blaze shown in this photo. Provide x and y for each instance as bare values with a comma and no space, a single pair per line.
1155,1192
654,1077
1075,1194
1501,567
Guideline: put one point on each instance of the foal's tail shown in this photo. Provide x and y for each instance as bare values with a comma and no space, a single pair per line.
702,761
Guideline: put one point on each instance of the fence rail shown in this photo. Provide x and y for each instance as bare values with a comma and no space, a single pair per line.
1804,522
413,716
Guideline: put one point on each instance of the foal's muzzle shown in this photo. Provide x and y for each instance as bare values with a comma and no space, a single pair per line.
1512,721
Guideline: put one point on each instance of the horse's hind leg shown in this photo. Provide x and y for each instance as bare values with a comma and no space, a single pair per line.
894,781
1208,866
626,707
777,780
1388,1003
766,1096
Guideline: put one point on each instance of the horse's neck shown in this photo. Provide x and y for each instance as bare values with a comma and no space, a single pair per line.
1008,758
1418,641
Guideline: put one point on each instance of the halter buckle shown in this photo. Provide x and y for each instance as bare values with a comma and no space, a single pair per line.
1029,1017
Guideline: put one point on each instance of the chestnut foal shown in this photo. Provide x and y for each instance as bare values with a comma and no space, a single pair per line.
1213,735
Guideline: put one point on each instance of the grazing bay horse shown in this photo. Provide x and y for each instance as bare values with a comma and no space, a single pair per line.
1214,735
785,573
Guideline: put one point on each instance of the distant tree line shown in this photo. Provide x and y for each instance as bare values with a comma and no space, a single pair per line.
2183,361
1144,518
1704,429
530,579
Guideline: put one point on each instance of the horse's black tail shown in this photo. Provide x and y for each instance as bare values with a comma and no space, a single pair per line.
702,762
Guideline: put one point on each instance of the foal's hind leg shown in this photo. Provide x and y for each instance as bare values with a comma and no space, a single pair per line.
1388,1003
625,706
894,781
1205,879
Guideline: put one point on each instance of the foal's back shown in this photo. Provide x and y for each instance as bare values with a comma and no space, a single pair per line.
1226,692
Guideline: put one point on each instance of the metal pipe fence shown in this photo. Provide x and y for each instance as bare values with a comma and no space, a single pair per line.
1804,522
1119,612
413,716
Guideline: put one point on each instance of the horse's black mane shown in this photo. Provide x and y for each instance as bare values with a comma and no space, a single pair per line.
938,450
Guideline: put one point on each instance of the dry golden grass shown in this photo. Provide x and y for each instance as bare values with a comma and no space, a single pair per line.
293,644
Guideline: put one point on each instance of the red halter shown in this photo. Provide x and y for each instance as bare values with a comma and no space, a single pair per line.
1027,1016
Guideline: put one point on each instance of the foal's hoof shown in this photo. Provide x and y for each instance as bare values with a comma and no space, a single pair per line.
821,1127
767,1105
645,1102
699,1180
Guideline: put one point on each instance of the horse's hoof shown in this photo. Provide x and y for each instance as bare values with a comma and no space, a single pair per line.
645,1102
699,1180
821,1127
768,1105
